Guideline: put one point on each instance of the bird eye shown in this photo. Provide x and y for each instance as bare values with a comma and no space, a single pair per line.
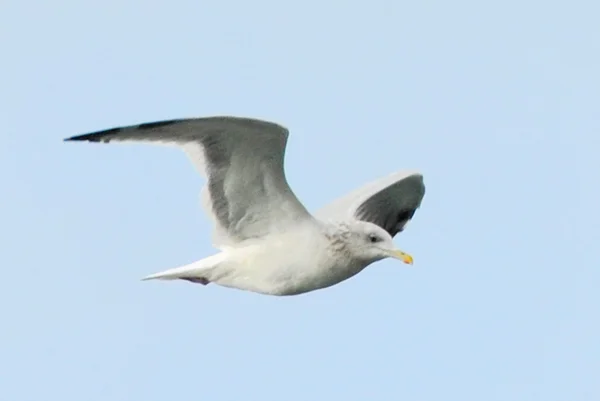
374,238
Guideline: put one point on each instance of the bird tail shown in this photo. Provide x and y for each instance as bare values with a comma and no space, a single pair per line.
197,271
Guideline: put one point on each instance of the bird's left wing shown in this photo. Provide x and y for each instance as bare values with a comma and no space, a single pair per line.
390,202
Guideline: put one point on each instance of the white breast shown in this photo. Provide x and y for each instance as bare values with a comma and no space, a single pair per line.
295,262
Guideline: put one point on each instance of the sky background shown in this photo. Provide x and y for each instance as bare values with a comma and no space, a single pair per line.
497,103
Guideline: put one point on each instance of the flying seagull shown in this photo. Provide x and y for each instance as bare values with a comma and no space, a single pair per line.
269,243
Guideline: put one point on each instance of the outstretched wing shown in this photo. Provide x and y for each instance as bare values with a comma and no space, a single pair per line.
390,202
247,194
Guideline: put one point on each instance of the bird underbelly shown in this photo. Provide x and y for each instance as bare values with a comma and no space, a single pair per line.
279,269
267,270
313,278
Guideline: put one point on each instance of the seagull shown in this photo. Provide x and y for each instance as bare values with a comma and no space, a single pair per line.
267,240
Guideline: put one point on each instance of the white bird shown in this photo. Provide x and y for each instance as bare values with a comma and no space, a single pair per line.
269,243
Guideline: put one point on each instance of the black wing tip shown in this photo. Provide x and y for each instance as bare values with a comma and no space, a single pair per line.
417,175
106,135
81,138
100,136
86,137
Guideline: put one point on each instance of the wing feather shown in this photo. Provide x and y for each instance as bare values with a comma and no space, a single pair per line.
247,194
390,202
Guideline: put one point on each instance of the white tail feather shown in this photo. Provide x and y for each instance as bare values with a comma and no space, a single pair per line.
197,269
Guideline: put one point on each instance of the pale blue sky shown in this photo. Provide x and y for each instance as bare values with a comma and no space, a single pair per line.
497,103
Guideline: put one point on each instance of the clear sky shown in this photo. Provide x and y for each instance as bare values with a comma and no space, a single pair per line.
497,103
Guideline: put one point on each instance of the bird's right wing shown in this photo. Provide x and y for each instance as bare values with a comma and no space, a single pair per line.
247,194
390,202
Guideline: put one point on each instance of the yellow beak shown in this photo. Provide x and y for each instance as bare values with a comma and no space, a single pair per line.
405,257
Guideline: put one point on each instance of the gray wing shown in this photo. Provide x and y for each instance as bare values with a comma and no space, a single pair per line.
390,202
247,194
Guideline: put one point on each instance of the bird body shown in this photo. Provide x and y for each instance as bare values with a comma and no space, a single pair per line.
270,244
276,268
